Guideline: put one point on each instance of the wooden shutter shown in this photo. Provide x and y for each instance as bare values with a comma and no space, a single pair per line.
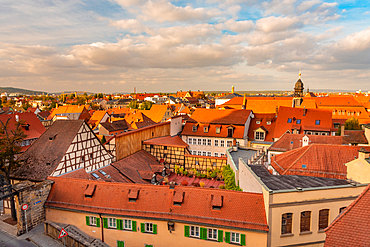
187,230
133,225
155,228
220,236
120,224
120,243
227,237
105,222
97,222
242,239
142,227
88,220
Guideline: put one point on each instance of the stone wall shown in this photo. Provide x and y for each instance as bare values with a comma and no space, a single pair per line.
34,195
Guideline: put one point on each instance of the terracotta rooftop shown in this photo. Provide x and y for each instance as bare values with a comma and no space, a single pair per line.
355,136
171,141
266,121
216,116
319,160
115,126
241,210
352,227
156,112
67,109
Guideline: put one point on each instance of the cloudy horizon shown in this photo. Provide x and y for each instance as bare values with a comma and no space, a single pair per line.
165,46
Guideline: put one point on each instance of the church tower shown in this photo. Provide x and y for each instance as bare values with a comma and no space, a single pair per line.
298,92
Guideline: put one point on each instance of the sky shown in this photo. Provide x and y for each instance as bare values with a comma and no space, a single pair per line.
164,46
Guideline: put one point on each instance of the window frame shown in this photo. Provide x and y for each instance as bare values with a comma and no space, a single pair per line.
196,229
209,142
92,220
124,224
148,227
289,120
288,222
204,141
110,223
229,143
218,130
317,122
216,143
305,221
258,135
222,143
199,141
322,225
190,141
211,234
236,235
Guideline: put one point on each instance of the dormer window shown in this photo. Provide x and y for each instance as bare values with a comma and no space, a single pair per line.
268,122
205,129
289,120
230,131
298,121
218,130
195,128
258,122
259,136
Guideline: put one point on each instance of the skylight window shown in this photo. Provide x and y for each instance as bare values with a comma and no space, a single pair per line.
103,172
95,175
298,121
317,122
289,120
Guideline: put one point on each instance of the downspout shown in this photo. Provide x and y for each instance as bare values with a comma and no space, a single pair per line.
102,228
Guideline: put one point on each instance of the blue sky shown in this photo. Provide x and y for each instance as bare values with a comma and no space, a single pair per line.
159,45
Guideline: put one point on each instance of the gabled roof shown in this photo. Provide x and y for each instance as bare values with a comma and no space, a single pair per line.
67,109
44,155
290,141
156,112
115,126
171,141
355,136
241,210
97,116
337,101
238,131
352,227
319,160
260,121
216,116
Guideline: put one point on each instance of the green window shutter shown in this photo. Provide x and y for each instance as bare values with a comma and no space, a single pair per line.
227,237
220,236
88,220
133,226
120,224
120,243
187,230
242,239
203,233
105,222
155,228
142,227
98,222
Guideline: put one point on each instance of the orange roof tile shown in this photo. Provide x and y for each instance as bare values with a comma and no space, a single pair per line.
156,112
352,227
67,109
171,141
242,210
260,121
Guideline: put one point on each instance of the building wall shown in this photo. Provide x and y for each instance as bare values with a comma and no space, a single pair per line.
312,200
358,170
131,142
176,126
247,181
163,237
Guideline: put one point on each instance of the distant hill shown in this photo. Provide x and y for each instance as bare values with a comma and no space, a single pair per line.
10,90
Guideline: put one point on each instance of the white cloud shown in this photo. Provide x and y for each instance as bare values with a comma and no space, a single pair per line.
277,24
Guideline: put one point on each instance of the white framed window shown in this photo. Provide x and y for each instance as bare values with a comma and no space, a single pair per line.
235,237
204,142
190,141
194,231
218,130
260,135
212,234
204,153
222,143
216,154
216,143
209,142
128,225
258,122
209,153
268,122
199,141
195,128
194,152
112,223
222,155
199,152
148,227
229,143
92,221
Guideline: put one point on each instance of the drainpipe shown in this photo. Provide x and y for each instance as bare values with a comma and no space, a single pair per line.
102,228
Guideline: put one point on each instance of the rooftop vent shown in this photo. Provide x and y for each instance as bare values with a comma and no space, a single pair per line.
133,195
178,198
217,202
89,191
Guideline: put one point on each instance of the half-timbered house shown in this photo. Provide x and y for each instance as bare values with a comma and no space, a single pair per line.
66,146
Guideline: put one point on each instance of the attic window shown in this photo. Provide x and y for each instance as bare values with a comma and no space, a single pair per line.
289,120
178,198
304,166
230,132
218,130
89,191
268,122
298,121
103,172
205,129
258,122
195,128
133,195
217,202
317,122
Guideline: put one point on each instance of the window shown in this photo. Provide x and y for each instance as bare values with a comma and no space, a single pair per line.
218,130
205,129
230,132
194,231
92,221
235,238
204,153
229,143
209,142
222,143
112,223
323,219
317,122
209,153
268,122
216,154
289,120
195,128
199,152
298,121
222,155
212,234
305,221
260,136
204,142
127,225
216,143
190,141
286,223
95,175
148,227
199,141
258,122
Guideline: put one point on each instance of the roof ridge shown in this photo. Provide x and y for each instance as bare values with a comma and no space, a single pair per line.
300,156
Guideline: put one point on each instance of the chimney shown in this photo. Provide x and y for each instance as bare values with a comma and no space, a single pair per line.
363,154
342,130
17,118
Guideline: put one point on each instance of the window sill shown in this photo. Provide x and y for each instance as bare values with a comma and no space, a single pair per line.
305,233
286,235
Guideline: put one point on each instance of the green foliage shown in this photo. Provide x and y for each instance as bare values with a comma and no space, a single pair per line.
146,105
352,124
133,104
26,106
229,178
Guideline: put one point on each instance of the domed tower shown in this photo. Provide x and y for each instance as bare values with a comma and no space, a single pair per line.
298,88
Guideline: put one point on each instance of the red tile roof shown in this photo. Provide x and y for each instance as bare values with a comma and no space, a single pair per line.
156,112
352,227
241,210
262,119
171,141
318,160
216,116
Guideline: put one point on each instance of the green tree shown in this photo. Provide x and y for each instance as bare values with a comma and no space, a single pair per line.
10,140
146,105
352,124
134,104
229,178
